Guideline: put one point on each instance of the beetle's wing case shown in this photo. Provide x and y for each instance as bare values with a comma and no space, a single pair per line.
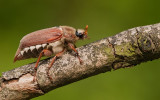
38,39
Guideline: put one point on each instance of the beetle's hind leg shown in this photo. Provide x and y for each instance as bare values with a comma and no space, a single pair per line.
43,52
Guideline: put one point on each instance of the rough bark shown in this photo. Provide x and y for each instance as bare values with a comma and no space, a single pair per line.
126,49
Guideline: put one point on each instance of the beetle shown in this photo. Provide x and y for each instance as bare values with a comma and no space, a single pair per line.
48,42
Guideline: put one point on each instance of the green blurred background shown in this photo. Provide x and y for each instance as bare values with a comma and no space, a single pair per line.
105,18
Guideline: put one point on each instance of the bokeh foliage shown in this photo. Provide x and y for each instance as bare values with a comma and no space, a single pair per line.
105,18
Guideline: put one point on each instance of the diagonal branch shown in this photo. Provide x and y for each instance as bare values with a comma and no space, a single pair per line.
126,49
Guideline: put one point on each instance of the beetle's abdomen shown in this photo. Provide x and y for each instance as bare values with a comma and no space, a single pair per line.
34,51
30,52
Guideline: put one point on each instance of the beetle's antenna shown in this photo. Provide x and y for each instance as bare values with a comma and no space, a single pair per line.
86,30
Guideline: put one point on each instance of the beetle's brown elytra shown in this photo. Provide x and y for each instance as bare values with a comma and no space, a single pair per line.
46,42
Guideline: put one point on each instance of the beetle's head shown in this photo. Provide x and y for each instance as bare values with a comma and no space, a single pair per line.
82,33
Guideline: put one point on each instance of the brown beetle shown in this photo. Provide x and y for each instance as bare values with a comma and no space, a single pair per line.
47,42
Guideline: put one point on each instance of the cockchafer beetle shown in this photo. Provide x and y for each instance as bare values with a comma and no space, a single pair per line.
48,42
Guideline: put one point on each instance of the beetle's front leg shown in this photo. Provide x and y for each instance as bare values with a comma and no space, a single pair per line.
73,48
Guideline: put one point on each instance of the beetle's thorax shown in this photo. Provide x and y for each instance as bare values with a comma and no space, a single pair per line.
69,33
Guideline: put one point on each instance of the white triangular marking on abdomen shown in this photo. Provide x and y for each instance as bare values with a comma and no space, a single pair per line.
32,48
38,46
43,45
22,52
26,49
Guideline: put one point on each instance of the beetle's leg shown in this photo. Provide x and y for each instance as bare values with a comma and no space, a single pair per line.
40,55
55,57
53,60
43,52
73,48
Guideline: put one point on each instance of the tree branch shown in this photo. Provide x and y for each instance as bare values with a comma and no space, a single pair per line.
126,49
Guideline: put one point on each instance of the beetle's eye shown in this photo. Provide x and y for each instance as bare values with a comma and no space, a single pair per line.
80,35
77,33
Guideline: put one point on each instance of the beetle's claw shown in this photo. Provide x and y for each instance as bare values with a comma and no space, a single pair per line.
34,77
81,62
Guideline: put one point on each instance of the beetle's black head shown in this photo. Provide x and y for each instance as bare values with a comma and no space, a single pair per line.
81,33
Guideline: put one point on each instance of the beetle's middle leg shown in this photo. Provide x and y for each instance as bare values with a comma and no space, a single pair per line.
55,57
53,60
